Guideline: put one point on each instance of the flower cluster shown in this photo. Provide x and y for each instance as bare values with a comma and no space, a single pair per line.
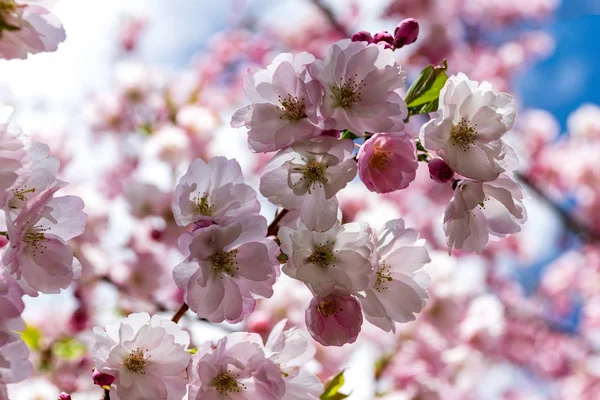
338,141
147,357
229,259
36,226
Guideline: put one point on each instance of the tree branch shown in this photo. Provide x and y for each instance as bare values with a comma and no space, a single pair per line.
569,221
328,12
273,228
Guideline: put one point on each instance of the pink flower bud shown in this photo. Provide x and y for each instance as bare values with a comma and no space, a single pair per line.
439,171
384,36
362,36
387,162
406,32
102,379
64,396
334,320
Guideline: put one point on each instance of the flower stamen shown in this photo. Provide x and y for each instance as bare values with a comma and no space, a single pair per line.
347,93
293,107
463,134
136,361
224,261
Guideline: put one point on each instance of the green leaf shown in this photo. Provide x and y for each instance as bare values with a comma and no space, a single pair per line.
68,348
31,336
332,388
348,135
423,95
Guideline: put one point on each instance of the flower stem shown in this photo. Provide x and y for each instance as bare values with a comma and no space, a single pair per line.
179,313
106,394
274,226
3,233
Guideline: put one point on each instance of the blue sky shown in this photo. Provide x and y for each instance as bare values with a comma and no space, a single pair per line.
571,76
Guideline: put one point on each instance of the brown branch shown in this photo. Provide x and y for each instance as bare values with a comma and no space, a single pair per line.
328,12
569,221
179,313
273,228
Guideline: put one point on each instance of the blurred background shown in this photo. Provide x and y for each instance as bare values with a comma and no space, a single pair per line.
140,88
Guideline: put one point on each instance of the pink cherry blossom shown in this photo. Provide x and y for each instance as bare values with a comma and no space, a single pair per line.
324,261
42,168
146,356
291,350
361,85
28,27
225,266
307,176
284,108
37,254
213,192
397,290
467,132
334,320
234,368
12,155
480,209
387,162
14,353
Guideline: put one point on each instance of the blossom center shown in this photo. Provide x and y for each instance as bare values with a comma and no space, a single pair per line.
136,361
225,383
380,158
224,261
293,107
322,255
383,276
34,238
327,307
313,172
19,195
348,92
7,9
202,206
463,134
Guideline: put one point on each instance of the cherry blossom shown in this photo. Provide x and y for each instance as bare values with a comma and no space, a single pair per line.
14,353
387,162
361,85
234,368
213,192
284,108
146,356
291,350
467,132
225,266
336,258
480,209
42,170
28,27
334,320
397,289
37,253
307,176
12,154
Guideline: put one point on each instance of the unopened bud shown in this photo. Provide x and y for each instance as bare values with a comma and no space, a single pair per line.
362,36
406,32
102,379
64,396
384,36
439,171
